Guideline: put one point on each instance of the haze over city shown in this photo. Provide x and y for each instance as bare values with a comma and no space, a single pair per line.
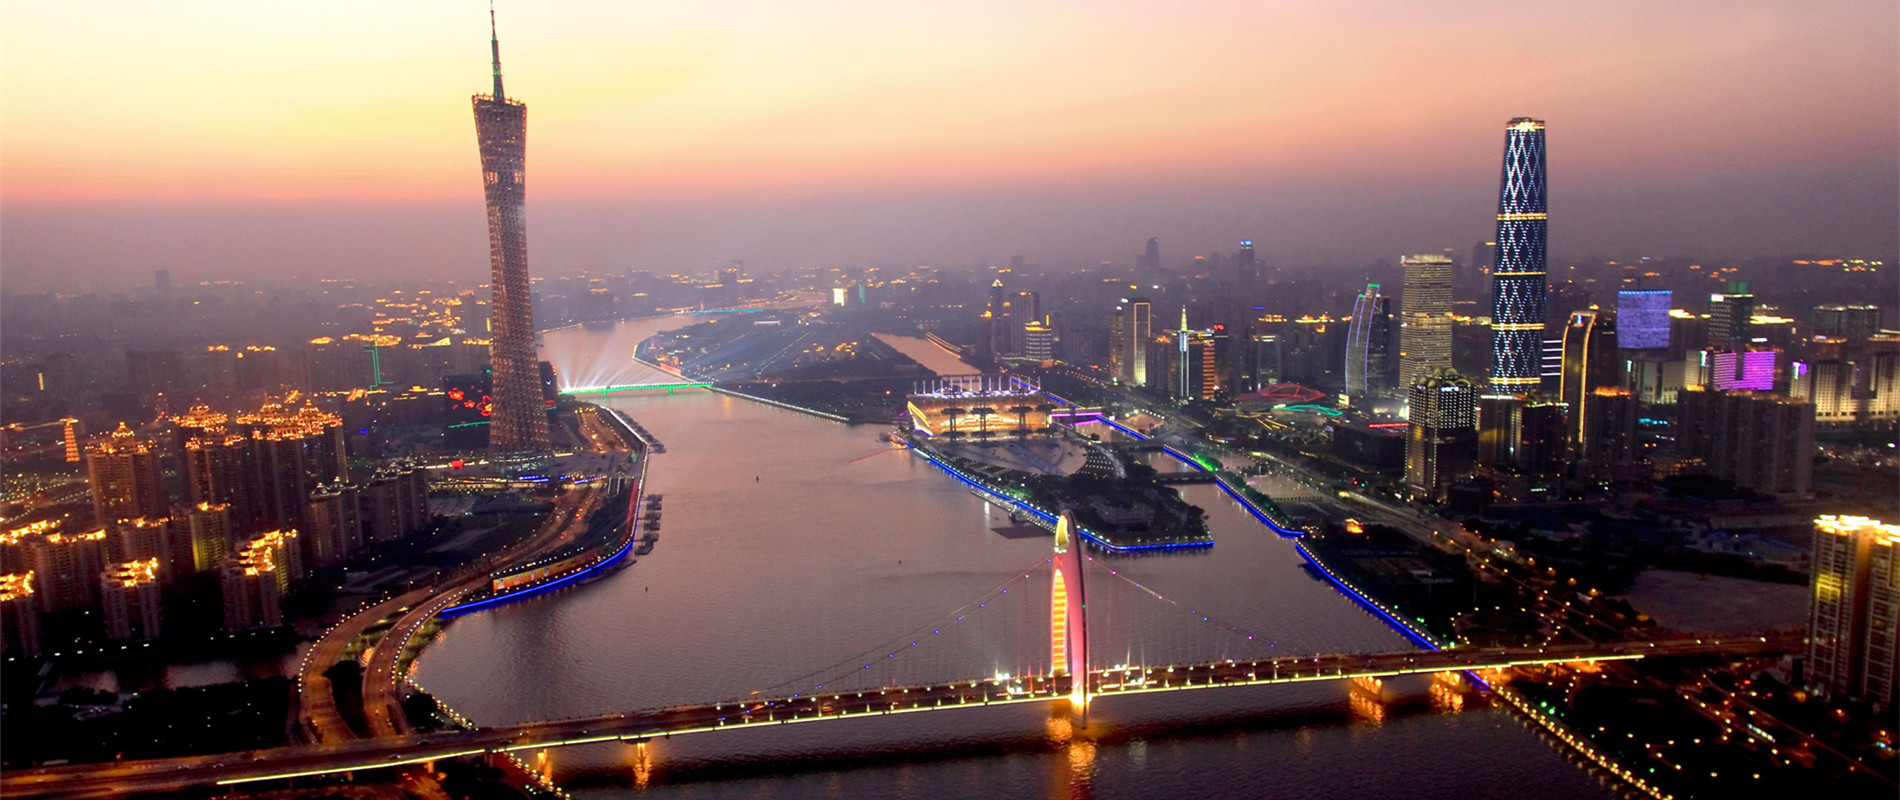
227,141
1045,400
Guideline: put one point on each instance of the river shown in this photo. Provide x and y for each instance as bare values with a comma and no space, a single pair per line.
791,544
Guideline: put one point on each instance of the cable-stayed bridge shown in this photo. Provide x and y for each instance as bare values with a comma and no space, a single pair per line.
1068,630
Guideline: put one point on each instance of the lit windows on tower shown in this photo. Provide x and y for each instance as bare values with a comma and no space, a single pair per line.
1642,319
1425,326
1518,288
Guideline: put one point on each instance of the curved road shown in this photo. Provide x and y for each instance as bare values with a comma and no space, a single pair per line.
318,718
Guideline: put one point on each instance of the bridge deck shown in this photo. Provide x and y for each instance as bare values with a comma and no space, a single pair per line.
107,780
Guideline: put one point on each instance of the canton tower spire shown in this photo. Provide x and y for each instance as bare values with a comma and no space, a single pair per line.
494,46
519,423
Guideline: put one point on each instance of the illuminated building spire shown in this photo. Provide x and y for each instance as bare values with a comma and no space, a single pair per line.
519,422
494,46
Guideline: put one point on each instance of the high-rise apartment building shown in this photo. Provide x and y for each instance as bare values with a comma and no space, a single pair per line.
1442,439
253,593
144,539
1837,321
19,615
1039,342
1755,440
1829,385
129,593
1729,316
212,535
125,480
221,470
395,502
1525,434
1862,388
1517,281
67,566
333,523
520,422
1425,325
1854,610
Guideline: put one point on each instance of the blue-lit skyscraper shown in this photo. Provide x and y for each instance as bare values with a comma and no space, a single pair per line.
1517,282
1642,319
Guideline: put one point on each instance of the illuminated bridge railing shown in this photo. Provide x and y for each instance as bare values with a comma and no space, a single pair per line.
1093,538
1267,513
301,761
573,569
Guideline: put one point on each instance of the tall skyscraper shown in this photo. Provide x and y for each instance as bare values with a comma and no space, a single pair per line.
1642,319
520,421
1854,609
1246,267
1517,282
1150,260
1590,365
1729,316
1424,316
1365,344
1442,439
1130,329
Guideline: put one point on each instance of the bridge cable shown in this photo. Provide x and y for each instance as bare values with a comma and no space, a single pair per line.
1195,612
886,653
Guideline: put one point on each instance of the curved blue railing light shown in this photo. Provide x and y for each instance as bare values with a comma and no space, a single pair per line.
1045,516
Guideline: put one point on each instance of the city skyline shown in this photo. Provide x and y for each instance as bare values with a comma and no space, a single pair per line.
1637,506
674,142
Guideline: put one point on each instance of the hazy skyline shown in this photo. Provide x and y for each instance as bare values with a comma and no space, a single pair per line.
224,140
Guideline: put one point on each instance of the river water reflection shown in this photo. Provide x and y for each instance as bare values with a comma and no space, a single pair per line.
791,544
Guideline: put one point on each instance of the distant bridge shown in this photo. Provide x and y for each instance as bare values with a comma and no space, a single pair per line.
636,387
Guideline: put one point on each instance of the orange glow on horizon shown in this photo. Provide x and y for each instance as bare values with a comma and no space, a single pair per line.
744,100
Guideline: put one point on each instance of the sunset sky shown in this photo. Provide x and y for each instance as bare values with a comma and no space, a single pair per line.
245,139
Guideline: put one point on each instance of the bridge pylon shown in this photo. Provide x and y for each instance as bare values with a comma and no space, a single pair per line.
1068,616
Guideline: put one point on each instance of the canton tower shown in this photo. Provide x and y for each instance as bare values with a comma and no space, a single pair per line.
1517,281
520,421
